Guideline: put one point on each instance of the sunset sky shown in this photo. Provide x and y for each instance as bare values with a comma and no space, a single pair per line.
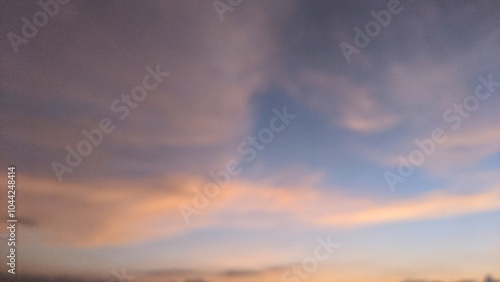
228,138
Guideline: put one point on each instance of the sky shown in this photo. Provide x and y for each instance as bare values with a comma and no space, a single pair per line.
238,140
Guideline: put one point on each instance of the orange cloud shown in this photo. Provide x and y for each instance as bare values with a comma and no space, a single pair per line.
127,212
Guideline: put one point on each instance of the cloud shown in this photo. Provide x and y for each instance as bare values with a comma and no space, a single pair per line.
431,206
203,105
464,149
307,205
424,87
344,102
125,213
121,212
